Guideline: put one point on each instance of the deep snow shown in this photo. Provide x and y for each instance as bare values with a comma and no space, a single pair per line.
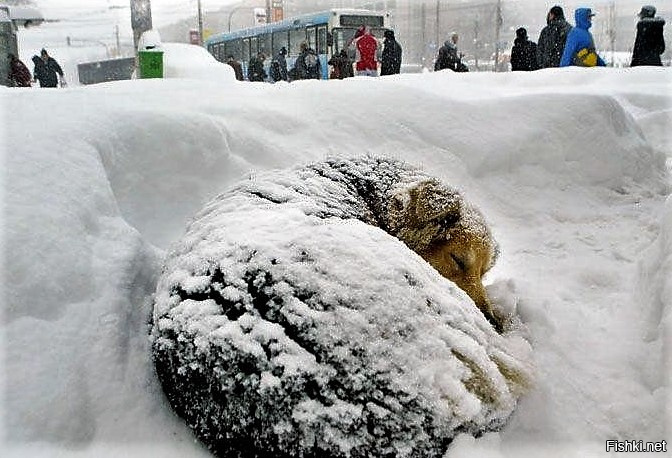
568,166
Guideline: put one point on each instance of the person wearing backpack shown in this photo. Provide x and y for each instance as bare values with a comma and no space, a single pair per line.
580,47
47,70
307,64
255,69
448,57
649,42
552,38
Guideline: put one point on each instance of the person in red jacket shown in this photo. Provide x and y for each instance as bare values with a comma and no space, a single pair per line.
19,75
366,45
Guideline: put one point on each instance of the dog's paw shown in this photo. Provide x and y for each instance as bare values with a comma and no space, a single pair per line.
504,300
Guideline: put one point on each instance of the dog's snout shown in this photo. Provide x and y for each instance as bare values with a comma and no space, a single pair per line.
477,293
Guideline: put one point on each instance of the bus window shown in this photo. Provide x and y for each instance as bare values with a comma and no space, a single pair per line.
311,32
296,37
322,39
347,20
265,45
254,46
342,37
235,48
246,50
280,39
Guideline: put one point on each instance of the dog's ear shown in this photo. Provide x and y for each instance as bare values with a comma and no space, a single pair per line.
435,204
423,214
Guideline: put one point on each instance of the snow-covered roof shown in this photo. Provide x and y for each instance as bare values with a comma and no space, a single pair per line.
23,15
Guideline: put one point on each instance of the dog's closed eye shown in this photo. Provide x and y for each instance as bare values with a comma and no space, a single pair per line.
460,263
447,221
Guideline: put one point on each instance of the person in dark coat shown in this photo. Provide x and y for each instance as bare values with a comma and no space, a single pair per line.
237,68
255,69
391,57
308,65
523,53
19,75
448,57
280,69
649,42
552,38
342,66
47,70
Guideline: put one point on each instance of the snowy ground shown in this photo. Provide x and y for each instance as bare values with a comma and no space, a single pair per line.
570,167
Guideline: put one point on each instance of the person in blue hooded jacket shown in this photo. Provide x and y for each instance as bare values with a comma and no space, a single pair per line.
580,47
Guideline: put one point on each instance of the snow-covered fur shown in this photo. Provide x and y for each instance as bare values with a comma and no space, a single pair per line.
290,322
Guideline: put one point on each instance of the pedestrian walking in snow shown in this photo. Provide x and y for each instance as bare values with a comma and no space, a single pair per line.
237,68
367,46
580,47
448,57
523,53
391,57
649,42
47,70
307,65
341,66
18,75
552,38
279,66
255,70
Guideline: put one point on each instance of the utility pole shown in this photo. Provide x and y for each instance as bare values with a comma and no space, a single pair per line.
612,30
423,15
498,28
116,34
438,32
268,12
200,24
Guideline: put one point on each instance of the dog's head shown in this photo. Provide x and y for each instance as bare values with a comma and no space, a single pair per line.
436,222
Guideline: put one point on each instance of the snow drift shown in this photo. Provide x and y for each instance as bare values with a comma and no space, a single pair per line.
99,180
286,323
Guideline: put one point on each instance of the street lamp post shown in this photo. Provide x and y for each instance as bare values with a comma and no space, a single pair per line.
498,28
200,24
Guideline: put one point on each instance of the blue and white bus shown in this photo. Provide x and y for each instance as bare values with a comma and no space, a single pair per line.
326,32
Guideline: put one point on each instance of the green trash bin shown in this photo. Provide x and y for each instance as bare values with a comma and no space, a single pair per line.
150,63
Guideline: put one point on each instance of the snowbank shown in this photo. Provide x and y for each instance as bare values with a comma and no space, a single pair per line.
194,62
98,181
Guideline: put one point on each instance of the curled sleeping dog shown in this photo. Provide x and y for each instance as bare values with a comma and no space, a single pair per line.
299,316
